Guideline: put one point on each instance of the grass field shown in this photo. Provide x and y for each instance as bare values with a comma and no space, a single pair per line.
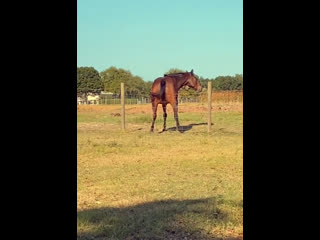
140,185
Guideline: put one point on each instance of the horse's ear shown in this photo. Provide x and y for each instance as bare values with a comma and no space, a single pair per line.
192,71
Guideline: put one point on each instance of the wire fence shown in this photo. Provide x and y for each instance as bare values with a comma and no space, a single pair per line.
217,96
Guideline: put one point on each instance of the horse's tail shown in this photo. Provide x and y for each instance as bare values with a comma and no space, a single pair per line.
162,89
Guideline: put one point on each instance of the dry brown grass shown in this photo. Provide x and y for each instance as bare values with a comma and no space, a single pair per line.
146,108
224,97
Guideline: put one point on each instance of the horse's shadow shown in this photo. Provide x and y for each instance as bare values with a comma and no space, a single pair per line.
183,129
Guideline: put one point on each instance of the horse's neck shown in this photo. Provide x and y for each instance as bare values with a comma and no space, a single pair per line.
180,82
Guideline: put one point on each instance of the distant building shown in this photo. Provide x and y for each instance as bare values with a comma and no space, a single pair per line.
106,93
80,101
92,99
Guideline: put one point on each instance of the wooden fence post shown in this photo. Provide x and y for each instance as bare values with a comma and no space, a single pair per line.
209,105
122,107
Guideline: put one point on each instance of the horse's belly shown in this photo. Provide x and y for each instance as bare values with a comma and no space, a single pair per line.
164,102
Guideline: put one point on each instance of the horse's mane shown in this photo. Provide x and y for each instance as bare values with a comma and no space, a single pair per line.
173,74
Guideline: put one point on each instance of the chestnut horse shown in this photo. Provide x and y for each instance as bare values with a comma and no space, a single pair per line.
165,90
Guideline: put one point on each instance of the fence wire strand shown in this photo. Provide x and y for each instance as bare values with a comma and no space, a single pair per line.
217,97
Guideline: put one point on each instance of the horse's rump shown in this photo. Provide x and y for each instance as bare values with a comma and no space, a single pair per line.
161,93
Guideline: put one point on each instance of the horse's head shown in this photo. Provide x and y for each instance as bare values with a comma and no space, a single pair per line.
193,81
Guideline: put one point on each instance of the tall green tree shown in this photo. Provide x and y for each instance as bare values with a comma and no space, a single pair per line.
204,82
238,82
134,85
228,82
88,81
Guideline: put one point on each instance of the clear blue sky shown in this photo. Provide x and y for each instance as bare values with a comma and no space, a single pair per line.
148,37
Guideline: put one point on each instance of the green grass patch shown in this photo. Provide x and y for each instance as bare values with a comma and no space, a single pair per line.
138,185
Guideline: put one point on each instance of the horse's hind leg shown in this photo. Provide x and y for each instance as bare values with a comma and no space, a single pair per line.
175,110
164,107
154,110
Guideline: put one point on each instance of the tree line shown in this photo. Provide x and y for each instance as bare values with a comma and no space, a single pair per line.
89,80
